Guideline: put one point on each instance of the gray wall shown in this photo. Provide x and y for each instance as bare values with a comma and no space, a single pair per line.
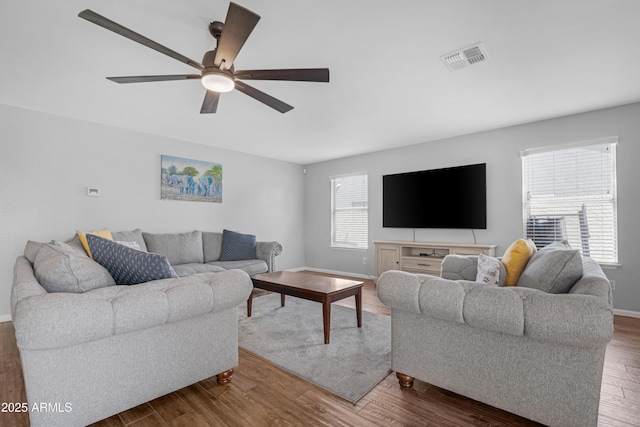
47,162
500,150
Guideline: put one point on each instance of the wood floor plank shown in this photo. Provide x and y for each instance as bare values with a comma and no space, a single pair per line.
263,395
170,407
208,407
190,419
325,410
113,421
136,413
151,420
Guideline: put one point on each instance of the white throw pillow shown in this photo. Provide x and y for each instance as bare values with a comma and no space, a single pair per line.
488,270
132,245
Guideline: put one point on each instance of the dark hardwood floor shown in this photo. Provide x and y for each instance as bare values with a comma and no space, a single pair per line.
263,395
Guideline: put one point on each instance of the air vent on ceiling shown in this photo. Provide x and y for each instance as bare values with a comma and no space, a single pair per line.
465,57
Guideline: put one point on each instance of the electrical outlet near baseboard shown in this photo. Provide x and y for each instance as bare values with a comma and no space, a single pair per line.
364,260
613,284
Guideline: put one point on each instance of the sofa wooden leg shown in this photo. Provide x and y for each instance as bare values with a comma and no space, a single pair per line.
225,377
405,380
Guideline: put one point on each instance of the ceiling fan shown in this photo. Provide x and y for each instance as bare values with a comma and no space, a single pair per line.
217,71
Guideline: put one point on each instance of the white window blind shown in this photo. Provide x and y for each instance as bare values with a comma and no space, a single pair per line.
570,194
349,212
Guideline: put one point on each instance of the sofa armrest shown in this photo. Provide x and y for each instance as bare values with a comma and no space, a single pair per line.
268,251
58,320
580,320
25,284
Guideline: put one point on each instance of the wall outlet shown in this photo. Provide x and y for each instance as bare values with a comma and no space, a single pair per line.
613,284
364,260
93,192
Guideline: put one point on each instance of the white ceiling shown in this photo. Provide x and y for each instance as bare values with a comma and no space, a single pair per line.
388,88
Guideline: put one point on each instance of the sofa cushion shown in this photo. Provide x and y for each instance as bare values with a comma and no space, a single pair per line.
488,270
251,266
183,270
212,246
83,238
61,269
515,259
179,248
129,266
237,246
554,269
130,236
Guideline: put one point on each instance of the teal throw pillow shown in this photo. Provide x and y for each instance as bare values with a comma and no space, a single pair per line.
129,266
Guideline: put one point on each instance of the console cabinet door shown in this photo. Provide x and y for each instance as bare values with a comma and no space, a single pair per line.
387,258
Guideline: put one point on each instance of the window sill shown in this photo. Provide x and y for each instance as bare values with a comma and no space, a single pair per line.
609,266
353,248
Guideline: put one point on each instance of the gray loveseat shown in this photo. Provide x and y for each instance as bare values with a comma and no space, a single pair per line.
88,355
533,353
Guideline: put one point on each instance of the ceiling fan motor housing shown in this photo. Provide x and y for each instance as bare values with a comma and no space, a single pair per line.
215,28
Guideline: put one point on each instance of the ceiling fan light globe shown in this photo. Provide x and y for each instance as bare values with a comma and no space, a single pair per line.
218,82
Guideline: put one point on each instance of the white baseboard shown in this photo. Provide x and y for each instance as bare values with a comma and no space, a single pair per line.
5,318
337,273
626,313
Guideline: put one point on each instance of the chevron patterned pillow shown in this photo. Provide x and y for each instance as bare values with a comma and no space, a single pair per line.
129,266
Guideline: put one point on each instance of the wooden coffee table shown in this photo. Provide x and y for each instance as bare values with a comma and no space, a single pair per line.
313,288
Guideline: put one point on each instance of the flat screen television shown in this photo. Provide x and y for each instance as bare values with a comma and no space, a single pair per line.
453,197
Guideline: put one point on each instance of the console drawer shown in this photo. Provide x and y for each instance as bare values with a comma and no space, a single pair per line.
428,265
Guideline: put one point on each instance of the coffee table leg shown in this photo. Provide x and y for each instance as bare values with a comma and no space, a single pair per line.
282,300
359,307
326,320
249,304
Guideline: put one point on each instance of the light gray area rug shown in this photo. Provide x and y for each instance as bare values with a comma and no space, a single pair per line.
292,338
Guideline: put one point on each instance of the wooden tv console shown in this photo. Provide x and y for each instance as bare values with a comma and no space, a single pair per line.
421,257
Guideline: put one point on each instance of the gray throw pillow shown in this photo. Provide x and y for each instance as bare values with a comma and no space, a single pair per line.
554,269
60,269
179,248
237,246
31,250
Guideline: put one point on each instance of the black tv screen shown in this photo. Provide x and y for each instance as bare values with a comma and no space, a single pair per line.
453,197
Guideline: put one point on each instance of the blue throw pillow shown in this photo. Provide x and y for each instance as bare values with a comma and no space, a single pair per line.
129,266
237,246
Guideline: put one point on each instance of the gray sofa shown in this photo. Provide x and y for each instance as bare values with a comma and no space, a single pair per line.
88,355
530,352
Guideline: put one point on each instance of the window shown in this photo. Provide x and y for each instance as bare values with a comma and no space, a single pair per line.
569,193
349,212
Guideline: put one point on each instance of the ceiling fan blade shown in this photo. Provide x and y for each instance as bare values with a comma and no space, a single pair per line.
238,25
100,20
263,97
296,74
210,104
144,79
